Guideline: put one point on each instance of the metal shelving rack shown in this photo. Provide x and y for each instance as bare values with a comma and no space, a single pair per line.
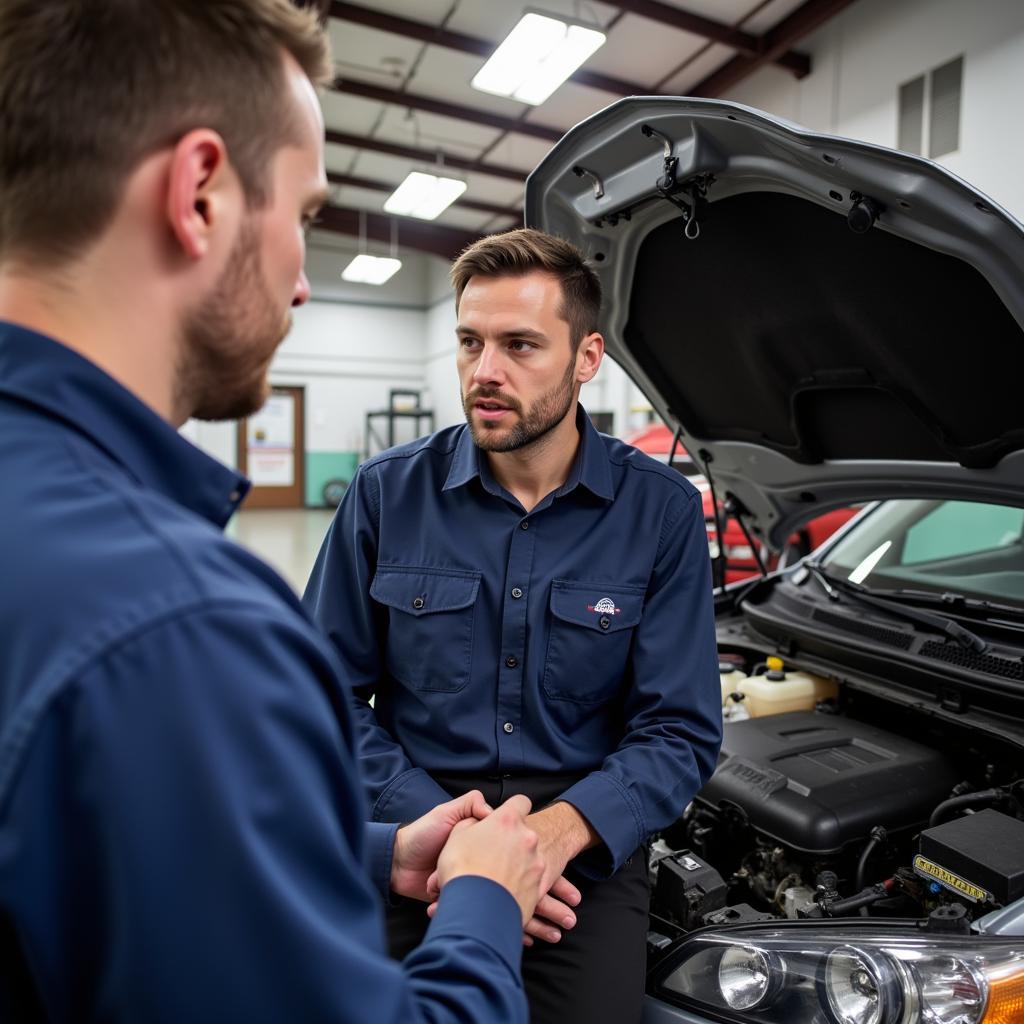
375,442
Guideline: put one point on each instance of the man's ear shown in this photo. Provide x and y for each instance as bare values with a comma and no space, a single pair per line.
588,357
199,189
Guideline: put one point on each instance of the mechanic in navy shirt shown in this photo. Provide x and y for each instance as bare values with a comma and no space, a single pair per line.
183,833
529,604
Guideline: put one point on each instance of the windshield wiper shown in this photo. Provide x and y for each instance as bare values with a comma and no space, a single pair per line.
953,598
835,585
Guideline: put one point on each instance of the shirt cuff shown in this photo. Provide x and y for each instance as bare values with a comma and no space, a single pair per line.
614,816
409,797
380,851
477,908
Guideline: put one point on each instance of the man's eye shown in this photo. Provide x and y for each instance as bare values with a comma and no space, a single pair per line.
520,346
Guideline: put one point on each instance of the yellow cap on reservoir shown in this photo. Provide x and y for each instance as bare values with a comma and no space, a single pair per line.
774,663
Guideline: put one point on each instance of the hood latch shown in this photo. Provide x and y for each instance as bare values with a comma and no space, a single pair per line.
668,185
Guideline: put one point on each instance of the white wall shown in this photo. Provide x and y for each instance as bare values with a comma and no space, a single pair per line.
349,357
442,379
862,56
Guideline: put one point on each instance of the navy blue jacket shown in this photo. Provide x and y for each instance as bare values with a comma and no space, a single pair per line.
578,638
182,827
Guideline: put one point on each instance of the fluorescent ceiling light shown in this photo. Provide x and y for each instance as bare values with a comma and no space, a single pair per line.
370,269
424,195
537,56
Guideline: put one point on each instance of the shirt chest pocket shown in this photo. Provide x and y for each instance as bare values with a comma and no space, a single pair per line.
430,625
590,631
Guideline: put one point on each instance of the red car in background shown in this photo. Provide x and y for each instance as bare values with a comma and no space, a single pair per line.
740,562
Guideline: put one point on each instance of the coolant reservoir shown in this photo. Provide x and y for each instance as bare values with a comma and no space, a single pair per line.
731,677
777,691
734,703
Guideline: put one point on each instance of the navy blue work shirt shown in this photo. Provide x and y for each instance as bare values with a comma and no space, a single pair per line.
578,638
182,828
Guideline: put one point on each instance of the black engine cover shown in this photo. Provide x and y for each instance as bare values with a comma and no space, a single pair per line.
816,783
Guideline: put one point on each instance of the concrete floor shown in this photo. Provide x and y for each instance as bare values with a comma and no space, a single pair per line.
288,539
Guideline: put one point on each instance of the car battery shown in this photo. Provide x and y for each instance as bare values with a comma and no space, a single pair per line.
688,888
979,857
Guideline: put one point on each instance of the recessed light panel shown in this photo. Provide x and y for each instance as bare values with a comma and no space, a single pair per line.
537,56
424,195
371,269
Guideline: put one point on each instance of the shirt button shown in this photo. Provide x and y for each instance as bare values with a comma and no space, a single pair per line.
604,622
517,593
418,603
511,661
509,727
235,496
524,525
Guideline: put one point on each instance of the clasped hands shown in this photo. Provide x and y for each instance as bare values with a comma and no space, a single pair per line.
526,853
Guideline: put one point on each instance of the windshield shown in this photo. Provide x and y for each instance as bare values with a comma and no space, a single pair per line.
960,546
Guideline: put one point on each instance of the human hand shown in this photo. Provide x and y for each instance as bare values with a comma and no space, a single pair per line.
562,833
554,913
418,844
501,848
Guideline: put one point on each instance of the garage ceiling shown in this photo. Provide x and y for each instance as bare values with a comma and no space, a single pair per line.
401,99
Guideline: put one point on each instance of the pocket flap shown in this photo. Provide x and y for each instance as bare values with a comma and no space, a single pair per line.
421,591
596,605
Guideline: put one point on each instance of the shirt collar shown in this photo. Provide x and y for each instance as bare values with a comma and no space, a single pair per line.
465,462
42,372
590,467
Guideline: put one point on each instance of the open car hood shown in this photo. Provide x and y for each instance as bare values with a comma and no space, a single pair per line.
807,364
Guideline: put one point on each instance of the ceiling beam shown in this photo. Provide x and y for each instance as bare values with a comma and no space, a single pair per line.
424,33
429,156
458,113
716,31
466,204
804,20
750,45
436,239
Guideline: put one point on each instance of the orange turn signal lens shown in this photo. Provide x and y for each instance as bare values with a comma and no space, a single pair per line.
1005,995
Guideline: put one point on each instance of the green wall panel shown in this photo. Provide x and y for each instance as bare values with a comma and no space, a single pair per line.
324,466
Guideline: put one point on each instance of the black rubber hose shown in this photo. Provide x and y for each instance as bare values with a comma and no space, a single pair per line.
851,903
983,796
878,836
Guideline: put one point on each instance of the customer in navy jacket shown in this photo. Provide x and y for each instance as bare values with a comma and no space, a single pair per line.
543,625
182,827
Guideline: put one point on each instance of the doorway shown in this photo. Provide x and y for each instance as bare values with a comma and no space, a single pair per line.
272,450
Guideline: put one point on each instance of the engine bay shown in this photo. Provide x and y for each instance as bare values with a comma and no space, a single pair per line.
835,802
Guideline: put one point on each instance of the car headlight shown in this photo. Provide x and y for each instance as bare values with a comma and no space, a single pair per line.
749,977
864,989
846,975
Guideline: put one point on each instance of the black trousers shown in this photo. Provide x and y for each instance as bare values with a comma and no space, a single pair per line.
595,974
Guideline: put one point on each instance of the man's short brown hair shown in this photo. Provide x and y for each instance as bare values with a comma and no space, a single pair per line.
88,88
526,250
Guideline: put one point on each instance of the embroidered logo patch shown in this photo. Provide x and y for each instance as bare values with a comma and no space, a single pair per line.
606,606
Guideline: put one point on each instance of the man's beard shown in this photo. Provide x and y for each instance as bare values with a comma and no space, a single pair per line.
543,416
229,339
